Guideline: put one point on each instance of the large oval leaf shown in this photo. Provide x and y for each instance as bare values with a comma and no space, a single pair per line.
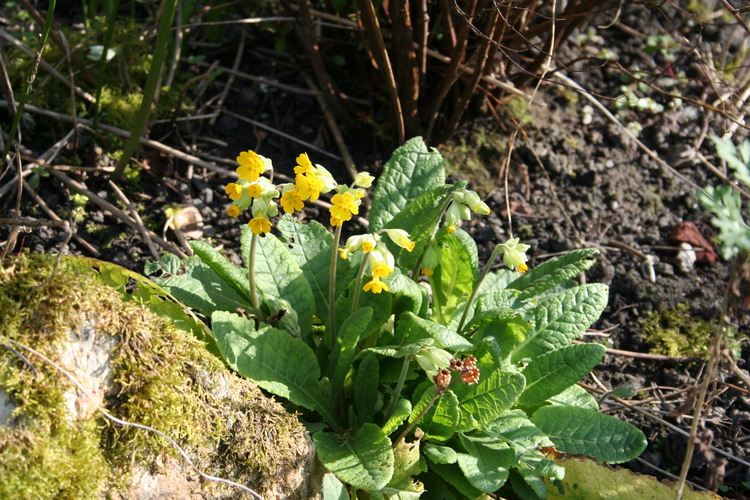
587,432
552,373
412,171
363,459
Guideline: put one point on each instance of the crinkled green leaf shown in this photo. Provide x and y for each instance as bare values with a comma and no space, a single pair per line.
400,412
333,489
414,328
310,244
490,398
440,454
439,423
203,290
273,359
407,295
346,348
587,432
486,468
419,219
513,430
366,388
232,275
452,474
553,372
559,319
363,459
412,171
278,275
550,274
453,280
575,395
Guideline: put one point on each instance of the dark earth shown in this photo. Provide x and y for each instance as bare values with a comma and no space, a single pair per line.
576,180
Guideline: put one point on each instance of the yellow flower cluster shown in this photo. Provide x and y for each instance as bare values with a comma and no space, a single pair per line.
380,261
253,191
463,203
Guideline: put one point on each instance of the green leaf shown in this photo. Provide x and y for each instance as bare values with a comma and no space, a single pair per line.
311,246
561,318
233,275
363,459
346,348
490,398
575,395
497,281
273,359
419,219
203,290
550,274
412,328
278,275
379,303
400,412
412,171
454,278
366,388
407,295
486,468
333,489
440,454
439,423
587,432
454,476
513,430
553,372
528,485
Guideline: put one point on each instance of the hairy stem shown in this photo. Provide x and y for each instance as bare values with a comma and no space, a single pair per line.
358,285
485,272
399,387
332,288
416,420
251,278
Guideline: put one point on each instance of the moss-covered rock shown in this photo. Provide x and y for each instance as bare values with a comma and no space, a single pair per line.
56,442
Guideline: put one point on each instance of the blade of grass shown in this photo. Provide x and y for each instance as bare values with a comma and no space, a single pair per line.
157,63
37,58
114,6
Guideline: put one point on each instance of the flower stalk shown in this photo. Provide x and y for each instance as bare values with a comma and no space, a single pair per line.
251,278
332,288
495,252
358,284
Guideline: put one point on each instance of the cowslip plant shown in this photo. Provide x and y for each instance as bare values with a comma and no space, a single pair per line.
414,369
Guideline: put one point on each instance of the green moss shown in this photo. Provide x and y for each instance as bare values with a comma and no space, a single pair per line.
162,377
676,333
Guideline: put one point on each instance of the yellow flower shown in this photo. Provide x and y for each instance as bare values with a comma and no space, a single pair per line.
255,190
344,205
233,211
363,179
427,272
400,238
308,186
336,221
251,166
259,225
344,253
451,229
291,201
368,244
233,190
381,270
304,164
514,255
375,286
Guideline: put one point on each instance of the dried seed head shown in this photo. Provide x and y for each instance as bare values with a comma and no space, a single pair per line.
470,376
442,380
456,364
470,362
